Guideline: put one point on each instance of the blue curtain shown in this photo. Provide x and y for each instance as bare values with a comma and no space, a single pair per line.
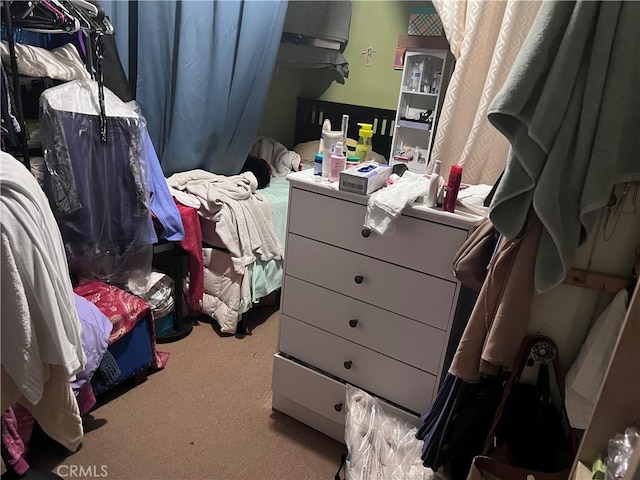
204,69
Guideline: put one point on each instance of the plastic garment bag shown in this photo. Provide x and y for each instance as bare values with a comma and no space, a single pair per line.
381,446
98,190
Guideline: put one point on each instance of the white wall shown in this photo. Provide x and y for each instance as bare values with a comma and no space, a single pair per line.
566,312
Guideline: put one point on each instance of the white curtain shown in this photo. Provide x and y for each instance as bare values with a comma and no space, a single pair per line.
485,37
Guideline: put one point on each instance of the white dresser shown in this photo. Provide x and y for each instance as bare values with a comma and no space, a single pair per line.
372,311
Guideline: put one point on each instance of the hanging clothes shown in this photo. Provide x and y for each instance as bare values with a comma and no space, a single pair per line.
500,318
98,190
41,333
10,125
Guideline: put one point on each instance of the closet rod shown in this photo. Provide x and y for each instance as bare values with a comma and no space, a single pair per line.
597,281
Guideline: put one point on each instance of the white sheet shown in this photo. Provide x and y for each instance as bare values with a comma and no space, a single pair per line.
39,319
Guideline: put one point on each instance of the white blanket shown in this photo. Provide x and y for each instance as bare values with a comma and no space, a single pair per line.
39,321
283,161
244,219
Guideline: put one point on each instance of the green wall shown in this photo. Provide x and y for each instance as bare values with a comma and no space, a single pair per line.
372,21
380,23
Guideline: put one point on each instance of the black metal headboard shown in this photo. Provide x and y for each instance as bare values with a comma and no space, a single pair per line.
311,113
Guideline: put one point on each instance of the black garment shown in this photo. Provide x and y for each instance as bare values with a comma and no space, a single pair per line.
113,73
10,125
260,168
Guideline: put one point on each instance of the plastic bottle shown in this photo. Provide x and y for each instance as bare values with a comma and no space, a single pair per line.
452,188
352,161
331,138
363,149
317,167
338,163
434,185
414,86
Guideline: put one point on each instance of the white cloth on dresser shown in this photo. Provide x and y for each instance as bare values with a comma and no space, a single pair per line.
39,319
244,219
386,205
586,375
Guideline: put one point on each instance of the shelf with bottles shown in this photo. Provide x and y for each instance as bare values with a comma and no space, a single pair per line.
425,79
422,75
413,153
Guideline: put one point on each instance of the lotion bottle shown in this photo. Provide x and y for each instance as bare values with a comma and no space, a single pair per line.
338,163
434,185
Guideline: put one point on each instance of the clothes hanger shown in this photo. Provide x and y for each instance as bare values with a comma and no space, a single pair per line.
42,16
90,8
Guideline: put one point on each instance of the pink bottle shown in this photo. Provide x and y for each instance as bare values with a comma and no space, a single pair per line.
338,163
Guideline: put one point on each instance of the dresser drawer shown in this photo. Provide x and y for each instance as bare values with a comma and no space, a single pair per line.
418,244
406,292
318,393
383,376
398,337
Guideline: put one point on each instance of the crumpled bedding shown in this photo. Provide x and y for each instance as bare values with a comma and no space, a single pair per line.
223,299
282,160
227,294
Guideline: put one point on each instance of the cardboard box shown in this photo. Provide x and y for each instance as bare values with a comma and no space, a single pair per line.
425,21
365,178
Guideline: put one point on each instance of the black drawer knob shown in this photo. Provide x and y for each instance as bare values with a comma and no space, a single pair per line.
366,232
359,279
353,323
348,364
338,407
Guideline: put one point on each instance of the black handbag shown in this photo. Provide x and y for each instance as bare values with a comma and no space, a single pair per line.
530,436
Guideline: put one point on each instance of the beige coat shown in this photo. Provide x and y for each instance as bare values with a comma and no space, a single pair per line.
500,319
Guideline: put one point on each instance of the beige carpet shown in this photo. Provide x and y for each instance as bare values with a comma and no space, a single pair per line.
207,415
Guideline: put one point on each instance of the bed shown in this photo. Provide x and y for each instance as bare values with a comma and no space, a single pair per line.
223,300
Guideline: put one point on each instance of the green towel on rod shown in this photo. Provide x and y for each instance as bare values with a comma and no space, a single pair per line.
571,110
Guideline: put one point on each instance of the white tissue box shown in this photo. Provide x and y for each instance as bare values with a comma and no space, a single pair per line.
364,178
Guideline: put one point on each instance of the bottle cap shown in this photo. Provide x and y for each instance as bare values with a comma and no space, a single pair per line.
366,129
318,158
338,149
436,167
455,173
